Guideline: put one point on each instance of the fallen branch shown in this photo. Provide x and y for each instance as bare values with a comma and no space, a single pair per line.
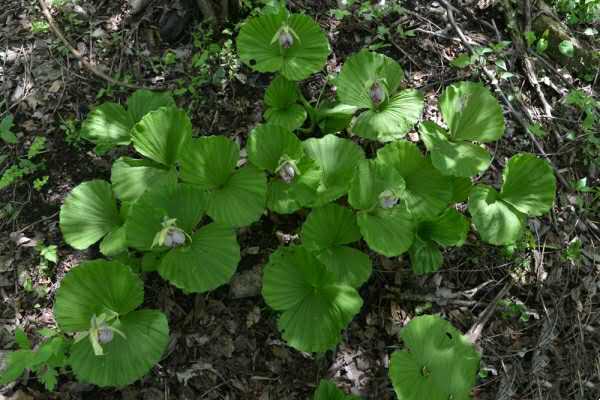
517,114
92,68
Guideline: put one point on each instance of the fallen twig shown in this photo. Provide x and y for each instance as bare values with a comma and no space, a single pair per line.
92,68
517,114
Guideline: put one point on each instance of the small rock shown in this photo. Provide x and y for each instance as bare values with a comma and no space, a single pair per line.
246,284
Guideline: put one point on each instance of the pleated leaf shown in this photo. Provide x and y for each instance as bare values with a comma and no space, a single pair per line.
497,221
328,226
529,184
125,360
307,294
472,112
428,192
108,125
207,263
461,159
92,288
269,145
389,232
337,159
259,48
143,101
185,203
162,135
328,391
439,363
132,177
88,213
283,109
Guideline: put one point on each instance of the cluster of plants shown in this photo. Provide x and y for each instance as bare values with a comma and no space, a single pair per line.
175,207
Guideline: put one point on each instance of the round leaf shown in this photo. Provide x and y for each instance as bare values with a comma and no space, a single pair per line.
259,48
428,192
185,203
472,112
131,178
359,73
143,101
207,263
209,161
269,145
161,135
306,293
449,229
108,125
286,198
425,257
349,266
462,159
329,226
337,159
281,98
369,181
529,184
393,119
127,359
114,243
389,232
88,213
496,221
241,201
92,288
439,363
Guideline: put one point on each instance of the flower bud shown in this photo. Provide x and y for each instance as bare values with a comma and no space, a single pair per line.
377,93
286,40
387,199
175,237
105,335
287,172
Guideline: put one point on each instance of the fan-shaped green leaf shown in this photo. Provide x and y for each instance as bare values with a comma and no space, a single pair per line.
209,161
114,243
370,180
286,198
428,192
337,159
389,232
529,184
496,221
461,187
162,135
349,266
185,203
281,99
241,201
472,112
126,359
328,226
328,391
425,256
88,213
131,178
207,263
361,71
306,293
334,119
269,145
108,125
259,45
462,159
393,119
449,229
438,364
143,101
93,288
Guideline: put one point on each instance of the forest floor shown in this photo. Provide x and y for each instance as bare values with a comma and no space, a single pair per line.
542,340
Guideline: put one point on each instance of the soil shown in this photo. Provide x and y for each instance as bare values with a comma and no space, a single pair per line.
226,347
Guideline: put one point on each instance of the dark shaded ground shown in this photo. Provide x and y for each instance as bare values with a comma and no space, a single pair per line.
228,348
